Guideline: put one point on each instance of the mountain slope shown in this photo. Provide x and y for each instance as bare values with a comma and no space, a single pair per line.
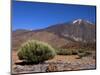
48,37
78,30
59,35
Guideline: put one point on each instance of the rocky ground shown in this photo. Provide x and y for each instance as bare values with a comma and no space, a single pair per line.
58,63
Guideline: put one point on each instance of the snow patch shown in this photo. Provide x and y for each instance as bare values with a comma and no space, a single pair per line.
89,22
77,21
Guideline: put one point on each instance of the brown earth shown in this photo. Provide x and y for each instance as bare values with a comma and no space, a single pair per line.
58,63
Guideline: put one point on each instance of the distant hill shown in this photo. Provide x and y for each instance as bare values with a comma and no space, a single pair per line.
67,35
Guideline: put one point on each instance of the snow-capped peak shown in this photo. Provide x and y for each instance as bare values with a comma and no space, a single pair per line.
77,21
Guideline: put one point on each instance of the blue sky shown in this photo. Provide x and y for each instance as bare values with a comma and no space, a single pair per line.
34,15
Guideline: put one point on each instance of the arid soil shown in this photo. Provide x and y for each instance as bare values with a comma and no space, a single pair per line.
58,63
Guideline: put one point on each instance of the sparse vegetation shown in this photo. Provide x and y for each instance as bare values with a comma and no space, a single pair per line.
83,53
36,51
80,52
66,52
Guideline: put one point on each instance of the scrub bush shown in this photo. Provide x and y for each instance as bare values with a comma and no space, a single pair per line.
36,51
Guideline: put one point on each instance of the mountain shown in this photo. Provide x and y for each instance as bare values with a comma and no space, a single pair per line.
78,30
67,35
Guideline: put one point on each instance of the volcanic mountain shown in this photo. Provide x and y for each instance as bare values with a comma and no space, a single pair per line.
59,35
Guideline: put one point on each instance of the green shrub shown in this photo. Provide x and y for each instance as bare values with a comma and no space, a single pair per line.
87,53
81,55
79,52
63,52
84,53
74,52
36,51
